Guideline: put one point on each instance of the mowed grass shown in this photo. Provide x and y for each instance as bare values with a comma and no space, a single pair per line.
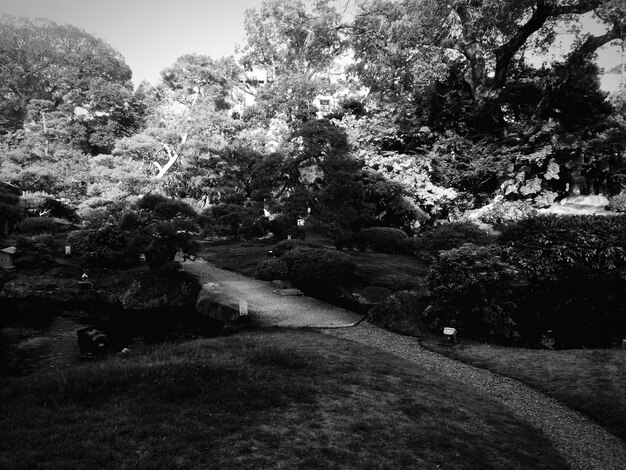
592,381
292,399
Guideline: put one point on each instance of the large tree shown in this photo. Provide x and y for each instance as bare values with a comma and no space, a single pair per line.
401,46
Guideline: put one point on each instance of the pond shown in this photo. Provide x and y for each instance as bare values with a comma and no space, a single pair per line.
39,346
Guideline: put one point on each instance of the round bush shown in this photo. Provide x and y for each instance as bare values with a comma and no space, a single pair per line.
320,272
272,269
428,244
381,239
106,246
284,246
471,290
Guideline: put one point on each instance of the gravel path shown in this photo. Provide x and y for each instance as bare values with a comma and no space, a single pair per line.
583,444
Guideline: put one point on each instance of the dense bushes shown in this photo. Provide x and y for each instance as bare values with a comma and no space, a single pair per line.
574,274
428,244
106,246
40,225
618,203
236,221
316,271
381,239
271,269
319,272
34,252
472,289
557,276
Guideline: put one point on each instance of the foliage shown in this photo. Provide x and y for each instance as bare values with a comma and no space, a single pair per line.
33,252
381,239
10,210
471,289
617,203
236,221
40,225
319,272
428,244
572,278
106,246
502,211
272,269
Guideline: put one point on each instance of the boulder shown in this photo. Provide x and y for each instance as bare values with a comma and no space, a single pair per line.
401,312
214,304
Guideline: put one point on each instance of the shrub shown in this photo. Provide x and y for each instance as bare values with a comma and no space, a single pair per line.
35,252
447,236
618,203
471,290
320,272
381,239
236,221
271,269
108,246
282,226
574,270
39,225
507,211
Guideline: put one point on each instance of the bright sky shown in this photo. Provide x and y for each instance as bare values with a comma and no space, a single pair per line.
152,34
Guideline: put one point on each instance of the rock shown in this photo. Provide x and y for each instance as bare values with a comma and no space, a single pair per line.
213,304
401,312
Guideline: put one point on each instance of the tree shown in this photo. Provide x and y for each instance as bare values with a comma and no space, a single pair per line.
45,61
395,42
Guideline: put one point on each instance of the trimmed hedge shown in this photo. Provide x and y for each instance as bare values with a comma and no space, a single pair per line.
381,239
284,246
272,269
320,272
107,246
39,225
428,244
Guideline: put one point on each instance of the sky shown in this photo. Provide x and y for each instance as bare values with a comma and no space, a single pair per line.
152,34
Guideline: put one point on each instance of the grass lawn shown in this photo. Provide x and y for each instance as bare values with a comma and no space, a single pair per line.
292,399
592,381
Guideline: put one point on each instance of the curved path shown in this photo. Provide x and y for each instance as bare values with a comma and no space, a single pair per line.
266,306
583,444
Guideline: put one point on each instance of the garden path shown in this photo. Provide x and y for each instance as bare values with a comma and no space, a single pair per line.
266,306
584,444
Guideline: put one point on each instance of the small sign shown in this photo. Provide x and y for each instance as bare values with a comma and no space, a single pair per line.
243,308
68,250
449,331
288,237
300,222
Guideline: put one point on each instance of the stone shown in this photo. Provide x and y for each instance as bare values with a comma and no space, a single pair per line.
214,304
401,312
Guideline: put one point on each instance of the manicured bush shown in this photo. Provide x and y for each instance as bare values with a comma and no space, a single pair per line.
34,252
573,278
320,272
271,269
428,244
381,239
471,289
618,203
39,225
107,246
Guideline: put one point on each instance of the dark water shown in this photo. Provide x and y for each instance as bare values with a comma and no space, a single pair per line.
28,348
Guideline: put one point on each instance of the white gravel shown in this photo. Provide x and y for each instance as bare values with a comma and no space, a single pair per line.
582,443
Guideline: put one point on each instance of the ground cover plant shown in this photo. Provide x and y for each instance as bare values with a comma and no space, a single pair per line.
591,381
263,400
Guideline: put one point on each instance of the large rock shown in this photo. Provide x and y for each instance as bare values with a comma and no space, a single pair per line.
401,312
214,304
